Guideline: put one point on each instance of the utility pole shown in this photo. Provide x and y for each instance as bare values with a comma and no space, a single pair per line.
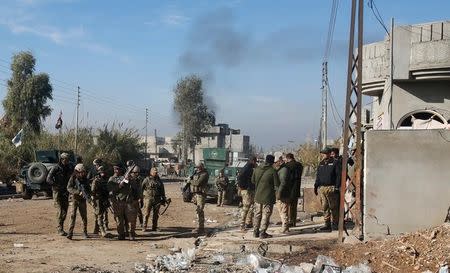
352,131
146,125
156,146
323,123
76,128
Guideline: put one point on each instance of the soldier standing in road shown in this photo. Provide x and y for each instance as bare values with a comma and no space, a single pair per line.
154,196
58,178
247,189
199,185
221,184
113,183
78,187
99,189
130,163
295,169
124,191
328,182
283,193
265,178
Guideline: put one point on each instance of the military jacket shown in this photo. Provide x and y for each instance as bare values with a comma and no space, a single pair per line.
123,191
200,182
75,186
99,187
222,183
265,179
59,176
153,188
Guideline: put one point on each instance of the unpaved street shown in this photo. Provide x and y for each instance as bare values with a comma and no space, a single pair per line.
32,224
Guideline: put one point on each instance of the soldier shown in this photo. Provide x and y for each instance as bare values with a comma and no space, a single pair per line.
247,190
78,187
328,182
283,193
99,189
113,182
199,184
58,178
295,169
130,163
90,176
154,196
221,184
123,192
265,178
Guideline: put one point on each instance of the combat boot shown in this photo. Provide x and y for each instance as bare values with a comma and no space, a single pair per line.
326,228
62,232
85,233
264,235
256,233
69,236
132,236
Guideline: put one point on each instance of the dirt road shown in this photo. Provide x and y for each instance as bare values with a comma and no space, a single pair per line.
32,223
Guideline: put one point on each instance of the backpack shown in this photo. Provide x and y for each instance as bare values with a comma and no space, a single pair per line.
187,193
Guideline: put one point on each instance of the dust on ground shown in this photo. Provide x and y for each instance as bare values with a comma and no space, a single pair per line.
29,243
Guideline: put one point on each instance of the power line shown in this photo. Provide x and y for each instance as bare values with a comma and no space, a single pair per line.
376,13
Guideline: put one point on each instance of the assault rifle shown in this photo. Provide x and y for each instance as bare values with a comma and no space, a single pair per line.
84,192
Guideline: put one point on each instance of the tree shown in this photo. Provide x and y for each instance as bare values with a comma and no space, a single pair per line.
194,117
26,100
308,154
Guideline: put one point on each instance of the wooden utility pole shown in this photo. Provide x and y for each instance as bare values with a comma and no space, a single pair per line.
76,128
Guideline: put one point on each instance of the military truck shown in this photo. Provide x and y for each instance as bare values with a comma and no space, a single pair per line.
33,176
216,159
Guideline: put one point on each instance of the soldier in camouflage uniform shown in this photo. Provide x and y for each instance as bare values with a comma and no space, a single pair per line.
99,189
130,163
113,181
199,185
221,184
154,196
58,178
78,187
124,191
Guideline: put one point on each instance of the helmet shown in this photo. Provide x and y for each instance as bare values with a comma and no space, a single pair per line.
136,169
129,163
80,168
101,169
97,161
64,156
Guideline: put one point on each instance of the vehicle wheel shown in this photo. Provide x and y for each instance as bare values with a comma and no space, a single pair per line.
37,173
27,194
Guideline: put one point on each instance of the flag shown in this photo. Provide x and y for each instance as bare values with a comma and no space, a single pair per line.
17,140
59,122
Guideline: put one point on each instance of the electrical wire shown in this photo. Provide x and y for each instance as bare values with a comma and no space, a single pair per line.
376,13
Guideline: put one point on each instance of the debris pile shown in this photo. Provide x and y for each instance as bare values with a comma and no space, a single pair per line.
177,262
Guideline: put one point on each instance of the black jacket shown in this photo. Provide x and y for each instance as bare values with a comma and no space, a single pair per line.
328,173
245,177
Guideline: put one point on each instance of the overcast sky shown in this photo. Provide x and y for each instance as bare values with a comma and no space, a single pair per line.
261,60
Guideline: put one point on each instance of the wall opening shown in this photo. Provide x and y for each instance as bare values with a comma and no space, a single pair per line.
422,119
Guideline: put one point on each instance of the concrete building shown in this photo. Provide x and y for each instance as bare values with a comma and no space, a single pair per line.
161,148
406,177
417,95
222,136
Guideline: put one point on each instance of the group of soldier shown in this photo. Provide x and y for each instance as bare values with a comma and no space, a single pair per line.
125,194
129,197
277,183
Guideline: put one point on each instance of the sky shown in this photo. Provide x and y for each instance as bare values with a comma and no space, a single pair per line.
261,61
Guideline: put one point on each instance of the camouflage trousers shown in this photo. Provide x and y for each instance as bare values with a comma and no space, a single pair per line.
126,217
283,208
199,200
220,197
61,203
78,204
262,217
247,207
330,204
292,212
151,207
139,214
100,213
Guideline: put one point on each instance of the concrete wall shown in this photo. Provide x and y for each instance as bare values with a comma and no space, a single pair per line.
407,180
420,95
